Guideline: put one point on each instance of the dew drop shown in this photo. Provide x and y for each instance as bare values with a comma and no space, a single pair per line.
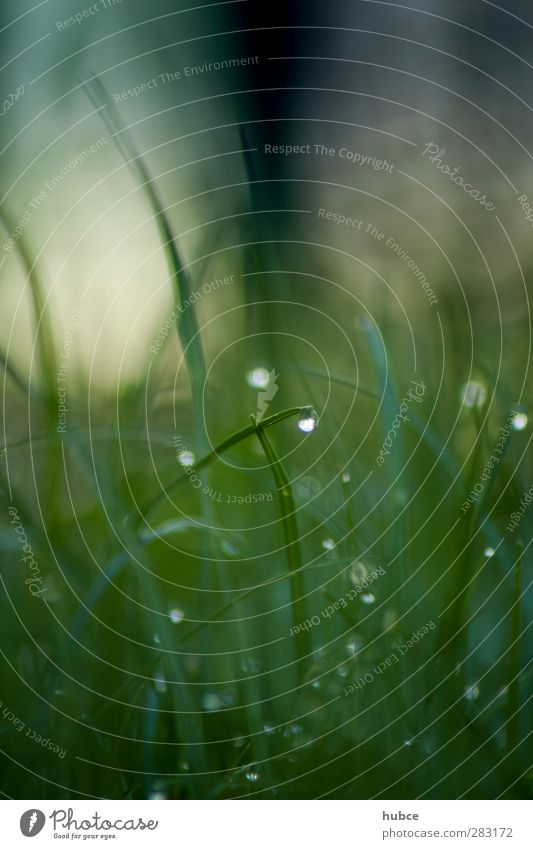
489,552
328,544
293,730
353,646
342,672
472,693
368,598
258,378
212,701
307,420
252,774
157,796
251,666
160,683
473,393
408,742
520,421
357,573
157,639
345,477
176,615
315,685
268,728
186,458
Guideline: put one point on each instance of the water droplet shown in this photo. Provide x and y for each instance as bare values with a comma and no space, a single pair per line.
227,698
353,646
160,682
239,742
59,692
328,544
268,728
186,458
401,497
176,615
157,795
293,730
251,666
368,598
472,693
520,421
342,672
408,742
252,774
212,701
258,378
156,638
315,685
345,477
489,552
357,573
184,766
307,420
473,393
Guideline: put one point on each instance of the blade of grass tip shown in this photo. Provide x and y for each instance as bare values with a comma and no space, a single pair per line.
292,545
213,455
513,700
187,324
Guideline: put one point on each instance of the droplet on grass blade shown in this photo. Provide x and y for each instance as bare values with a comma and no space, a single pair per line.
357,573
251,666
212,701
252,774
473,393
472,693
328,544
489,552
160,683
345,477
186,458
368,598
307,420
353,646
520,421
176,615
258,378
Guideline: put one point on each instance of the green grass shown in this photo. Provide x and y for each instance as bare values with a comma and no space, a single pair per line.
221,701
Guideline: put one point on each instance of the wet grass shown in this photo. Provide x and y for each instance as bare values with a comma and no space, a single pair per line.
161,656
